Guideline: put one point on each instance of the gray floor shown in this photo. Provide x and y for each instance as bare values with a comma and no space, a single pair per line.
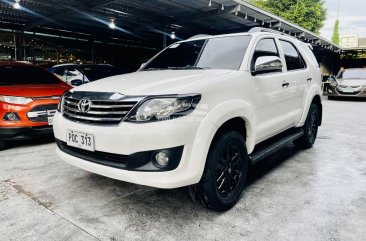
317,194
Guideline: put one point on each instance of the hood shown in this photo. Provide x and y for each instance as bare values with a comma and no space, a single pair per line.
156,82
34,90
352,82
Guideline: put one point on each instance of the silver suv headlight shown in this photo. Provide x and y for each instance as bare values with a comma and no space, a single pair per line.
164,108
15,100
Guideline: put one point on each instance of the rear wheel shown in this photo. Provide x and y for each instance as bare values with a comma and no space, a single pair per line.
225,173
310,128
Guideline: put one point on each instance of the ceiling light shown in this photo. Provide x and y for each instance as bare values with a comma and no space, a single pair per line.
112,25
172,36
16,5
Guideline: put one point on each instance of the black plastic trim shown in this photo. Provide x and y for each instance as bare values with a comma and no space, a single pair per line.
140,161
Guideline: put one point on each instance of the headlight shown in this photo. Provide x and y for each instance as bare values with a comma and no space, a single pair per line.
61,103
333,83
15,100
163,108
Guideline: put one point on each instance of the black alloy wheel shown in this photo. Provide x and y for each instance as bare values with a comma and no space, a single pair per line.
229,170
225,173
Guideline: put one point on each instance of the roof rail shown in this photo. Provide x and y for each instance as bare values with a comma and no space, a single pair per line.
260,29
200,36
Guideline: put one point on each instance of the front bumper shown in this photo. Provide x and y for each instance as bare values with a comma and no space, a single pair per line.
25,133
130,138
340,92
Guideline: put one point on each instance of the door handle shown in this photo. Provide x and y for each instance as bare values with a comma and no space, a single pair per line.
285,84
309,79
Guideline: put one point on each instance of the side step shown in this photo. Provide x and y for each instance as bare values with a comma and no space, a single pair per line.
273,144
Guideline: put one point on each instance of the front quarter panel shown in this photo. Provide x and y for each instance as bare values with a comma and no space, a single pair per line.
232,109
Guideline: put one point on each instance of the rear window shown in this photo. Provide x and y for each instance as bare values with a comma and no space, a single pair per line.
25,75
294,60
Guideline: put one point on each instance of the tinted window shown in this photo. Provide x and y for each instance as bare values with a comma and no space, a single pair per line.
265,47
215,53
352,74
23,75
96,72
292,56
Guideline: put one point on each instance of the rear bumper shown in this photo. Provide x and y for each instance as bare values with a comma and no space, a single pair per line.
25,133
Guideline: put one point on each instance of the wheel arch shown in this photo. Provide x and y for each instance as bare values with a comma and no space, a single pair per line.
313,96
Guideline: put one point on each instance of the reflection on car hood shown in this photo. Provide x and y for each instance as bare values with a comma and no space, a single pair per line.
156,82
34,90
352,82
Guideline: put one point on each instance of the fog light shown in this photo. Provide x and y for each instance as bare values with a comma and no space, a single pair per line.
11,116
162,159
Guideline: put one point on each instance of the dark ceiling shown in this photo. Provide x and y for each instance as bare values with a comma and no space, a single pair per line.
139,20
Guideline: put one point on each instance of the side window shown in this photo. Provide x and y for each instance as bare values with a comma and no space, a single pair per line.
265,47
293,58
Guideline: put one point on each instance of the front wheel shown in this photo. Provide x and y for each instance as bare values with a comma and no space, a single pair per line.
224,175
2,145
310,128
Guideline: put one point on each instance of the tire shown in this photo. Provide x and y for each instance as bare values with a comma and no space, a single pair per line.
310,128
225,173
2,145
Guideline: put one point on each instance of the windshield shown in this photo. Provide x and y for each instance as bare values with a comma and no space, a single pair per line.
353,74
25,75
214,53
96,72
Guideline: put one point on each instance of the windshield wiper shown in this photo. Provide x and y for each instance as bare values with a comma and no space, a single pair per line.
188,67
152,69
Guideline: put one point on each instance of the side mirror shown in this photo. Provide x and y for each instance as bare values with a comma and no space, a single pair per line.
76,82
267,64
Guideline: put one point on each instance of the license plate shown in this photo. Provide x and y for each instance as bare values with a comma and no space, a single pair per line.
348,90
50,120
80,140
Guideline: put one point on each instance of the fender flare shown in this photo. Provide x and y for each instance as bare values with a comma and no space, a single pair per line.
313,91
216,117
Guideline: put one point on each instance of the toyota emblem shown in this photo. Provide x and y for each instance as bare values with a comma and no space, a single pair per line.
84,105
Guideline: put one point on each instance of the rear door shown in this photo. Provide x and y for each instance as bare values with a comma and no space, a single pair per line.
271,98
297,76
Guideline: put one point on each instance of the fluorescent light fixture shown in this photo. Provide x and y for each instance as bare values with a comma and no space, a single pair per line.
112,25
16,5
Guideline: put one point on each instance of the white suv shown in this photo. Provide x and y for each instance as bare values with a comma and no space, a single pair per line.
198,114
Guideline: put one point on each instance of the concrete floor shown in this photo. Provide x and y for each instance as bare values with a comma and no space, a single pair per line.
317,194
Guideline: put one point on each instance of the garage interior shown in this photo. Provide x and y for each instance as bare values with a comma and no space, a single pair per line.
318,194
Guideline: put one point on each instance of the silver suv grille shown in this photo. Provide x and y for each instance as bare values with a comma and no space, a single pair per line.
104,112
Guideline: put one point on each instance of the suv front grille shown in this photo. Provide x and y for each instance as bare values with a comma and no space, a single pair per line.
42,112
104,112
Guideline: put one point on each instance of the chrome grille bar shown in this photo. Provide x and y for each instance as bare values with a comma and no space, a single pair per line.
102,112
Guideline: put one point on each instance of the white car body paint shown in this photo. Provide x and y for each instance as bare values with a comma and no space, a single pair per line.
266,107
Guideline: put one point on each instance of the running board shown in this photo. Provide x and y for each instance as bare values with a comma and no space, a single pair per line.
275,143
